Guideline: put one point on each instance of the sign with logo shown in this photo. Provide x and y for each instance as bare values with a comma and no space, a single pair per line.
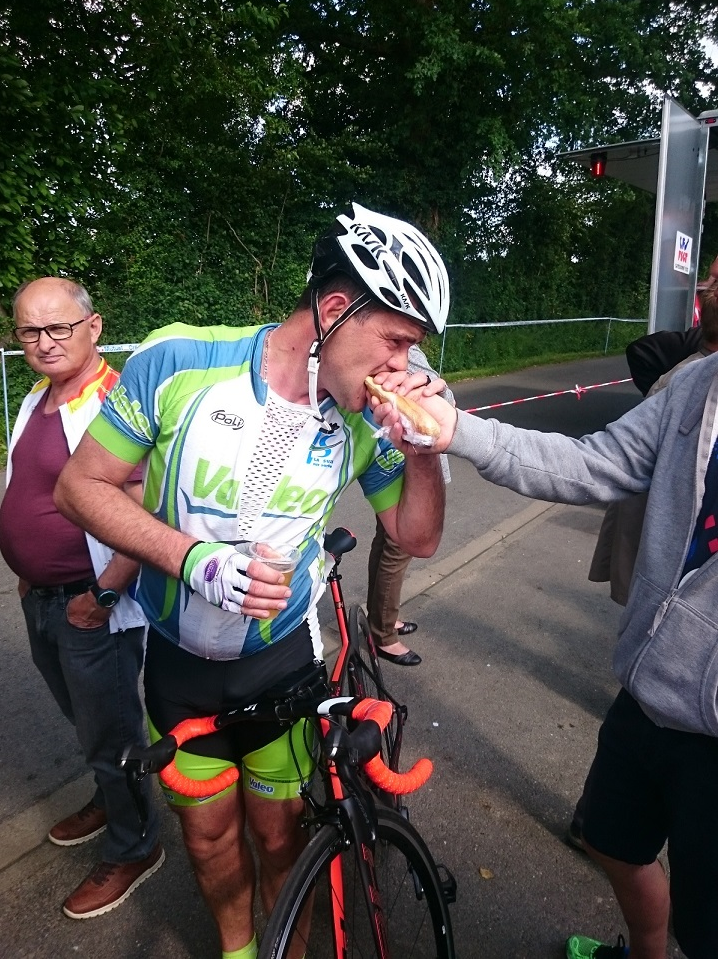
682,253
681,183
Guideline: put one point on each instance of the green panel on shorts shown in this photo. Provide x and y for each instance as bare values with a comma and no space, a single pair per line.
270,772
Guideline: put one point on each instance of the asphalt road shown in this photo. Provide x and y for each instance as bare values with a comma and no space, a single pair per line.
515,680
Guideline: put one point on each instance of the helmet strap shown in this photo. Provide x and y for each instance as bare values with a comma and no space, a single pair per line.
315,351
313,370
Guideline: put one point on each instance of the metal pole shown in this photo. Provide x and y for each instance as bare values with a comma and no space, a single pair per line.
4,394
443,346
608,335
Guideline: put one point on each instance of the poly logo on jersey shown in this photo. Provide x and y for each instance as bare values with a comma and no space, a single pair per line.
227,419
320,452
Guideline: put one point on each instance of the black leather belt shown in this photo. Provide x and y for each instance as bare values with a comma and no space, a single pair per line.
66,589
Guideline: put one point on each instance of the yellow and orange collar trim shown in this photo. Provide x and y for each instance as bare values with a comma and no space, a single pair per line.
99,384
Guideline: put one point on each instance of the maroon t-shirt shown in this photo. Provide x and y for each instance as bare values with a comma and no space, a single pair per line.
36,541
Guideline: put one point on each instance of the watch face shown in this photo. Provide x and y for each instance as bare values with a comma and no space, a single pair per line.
107,598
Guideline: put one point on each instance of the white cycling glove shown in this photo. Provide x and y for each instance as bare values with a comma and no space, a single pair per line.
219,573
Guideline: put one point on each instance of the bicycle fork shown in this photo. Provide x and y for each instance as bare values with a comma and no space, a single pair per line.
359,822
447,880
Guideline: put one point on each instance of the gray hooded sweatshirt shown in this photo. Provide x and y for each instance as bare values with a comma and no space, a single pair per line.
667,651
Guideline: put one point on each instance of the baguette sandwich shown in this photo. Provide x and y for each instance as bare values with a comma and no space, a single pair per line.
420,428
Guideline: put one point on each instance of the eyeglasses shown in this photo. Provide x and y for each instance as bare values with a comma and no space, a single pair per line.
56,331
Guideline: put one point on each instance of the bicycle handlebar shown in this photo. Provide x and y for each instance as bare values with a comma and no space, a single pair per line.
376,769
195,788
365,710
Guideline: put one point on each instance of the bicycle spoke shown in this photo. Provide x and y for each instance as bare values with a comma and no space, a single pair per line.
415,914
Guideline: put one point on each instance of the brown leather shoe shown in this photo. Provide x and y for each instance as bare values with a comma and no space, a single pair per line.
79,827
109,884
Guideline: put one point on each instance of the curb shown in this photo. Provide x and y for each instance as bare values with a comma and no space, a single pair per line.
421,580
27,831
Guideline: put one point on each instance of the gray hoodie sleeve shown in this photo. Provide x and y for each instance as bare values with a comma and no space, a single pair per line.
418,363
598,467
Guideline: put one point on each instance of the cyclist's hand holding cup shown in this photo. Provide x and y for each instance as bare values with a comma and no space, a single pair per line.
228,577
280,557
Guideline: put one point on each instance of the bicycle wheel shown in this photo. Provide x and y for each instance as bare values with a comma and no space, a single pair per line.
415,907
364,679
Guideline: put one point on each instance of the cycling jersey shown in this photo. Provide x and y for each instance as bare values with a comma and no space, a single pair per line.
194,399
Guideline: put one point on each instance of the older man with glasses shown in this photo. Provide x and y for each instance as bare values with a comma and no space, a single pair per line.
86,632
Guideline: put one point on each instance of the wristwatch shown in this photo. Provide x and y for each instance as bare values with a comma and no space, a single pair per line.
107,598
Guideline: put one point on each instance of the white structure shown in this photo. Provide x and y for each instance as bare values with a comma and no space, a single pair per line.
681,168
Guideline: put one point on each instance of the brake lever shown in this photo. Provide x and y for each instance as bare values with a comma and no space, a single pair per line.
135,771
138,761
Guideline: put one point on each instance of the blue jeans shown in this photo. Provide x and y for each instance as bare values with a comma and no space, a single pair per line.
93,675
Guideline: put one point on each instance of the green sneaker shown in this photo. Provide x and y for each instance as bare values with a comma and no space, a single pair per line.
581,947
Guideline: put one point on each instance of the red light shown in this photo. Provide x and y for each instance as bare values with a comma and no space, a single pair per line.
598,164
710,120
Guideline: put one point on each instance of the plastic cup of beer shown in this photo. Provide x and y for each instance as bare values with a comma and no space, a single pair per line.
280,556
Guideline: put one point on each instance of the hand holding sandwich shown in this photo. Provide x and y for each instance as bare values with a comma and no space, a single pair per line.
401,402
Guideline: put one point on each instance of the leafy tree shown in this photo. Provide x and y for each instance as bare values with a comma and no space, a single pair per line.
431,102
180,155
61,132
209,173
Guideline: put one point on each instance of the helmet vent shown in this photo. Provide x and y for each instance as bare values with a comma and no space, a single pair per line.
391,274
413,271
390,296
365,256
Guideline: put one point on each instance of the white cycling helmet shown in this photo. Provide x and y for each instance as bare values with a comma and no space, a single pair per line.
391,260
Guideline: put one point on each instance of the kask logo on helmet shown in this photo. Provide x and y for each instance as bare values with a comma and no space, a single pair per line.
369,239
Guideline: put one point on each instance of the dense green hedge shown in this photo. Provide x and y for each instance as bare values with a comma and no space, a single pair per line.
467,349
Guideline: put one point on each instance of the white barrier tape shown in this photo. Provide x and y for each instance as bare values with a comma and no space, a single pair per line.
507,323
118,348
577,390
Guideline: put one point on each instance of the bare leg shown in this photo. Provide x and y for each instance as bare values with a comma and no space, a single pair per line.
223,864
279,839
276,829
642,893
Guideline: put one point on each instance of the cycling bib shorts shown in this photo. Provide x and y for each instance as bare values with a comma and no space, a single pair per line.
274,760
275,771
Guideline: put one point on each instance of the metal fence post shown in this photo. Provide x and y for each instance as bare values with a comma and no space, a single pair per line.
608,335
4,396
443,346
